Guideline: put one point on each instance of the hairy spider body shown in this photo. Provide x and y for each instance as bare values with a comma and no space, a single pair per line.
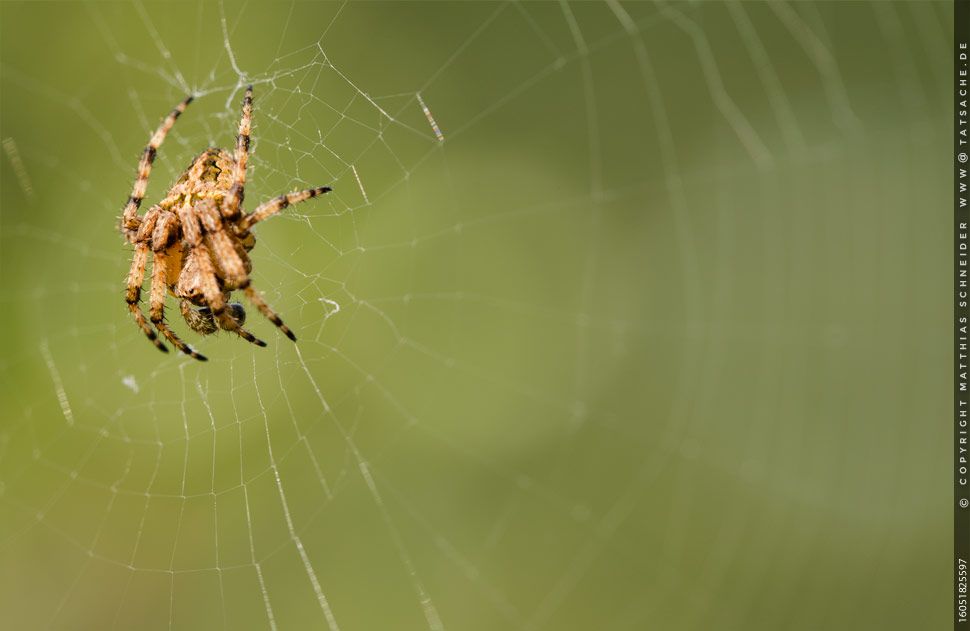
199,239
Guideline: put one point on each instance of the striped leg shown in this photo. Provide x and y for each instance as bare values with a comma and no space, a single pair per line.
267,311
234,261
136,276
157,302
222,245
210,286
230,206
129,219
234,266
162,238
273,206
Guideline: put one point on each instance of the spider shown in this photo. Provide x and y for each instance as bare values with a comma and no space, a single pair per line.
199,239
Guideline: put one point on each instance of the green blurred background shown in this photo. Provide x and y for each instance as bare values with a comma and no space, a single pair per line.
656,338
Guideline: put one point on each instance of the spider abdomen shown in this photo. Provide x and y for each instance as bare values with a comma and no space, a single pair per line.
209,175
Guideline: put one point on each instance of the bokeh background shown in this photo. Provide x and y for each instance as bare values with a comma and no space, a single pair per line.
654,338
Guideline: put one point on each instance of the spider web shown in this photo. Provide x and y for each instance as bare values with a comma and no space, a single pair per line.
592,328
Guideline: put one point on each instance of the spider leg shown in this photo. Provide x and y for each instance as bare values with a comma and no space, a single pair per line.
221,245
143,232
267,311
273,206
233,261
232,201
163,238
129,219
136,276
210,285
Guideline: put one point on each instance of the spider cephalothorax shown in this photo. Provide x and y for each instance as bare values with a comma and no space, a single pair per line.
199,238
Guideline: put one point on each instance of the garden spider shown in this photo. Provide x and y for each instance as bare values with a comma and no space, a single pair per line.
199,239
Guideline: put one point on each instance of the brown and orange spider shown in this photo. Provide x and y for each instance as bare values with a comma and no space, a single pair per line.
199,239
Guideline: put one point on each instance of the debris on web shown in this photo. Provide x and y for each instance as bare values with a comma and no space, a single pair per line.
427,113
